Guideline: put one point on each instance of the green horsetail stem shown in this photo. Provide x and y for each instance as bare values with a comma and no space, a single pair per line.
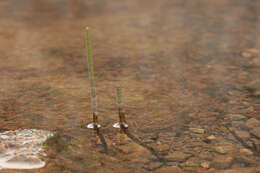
91,72
118,96
121,114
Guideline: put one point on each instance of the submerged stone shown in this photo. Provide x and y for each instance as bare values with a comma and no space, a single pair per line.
197,130
211,138
242,134
236,117
20,149
205,165
254,87
256,131
253,123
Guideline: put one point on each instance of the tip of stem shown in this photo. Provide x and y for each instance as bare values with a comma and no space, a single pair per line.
87,28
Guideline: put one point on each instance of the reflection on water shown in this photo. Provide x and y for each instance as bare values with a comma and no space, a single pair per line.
20,149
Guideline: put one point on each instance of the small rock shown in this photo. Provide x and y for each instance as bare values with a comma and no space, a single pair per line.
242,134
253,123
178,156
246,54
255,62
249,53
246,151
254,87
222,149
197,130
236,117
158,142
171,169
222,162
205,165
256,132
211,138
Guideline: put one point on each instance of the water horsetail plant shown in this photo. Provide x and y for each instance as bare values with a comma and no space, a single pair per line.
122,122
94,124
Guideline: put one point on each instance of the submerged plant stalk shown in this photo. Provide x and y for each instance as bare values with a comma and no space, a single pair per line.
118,97
91,73
91,81
122,122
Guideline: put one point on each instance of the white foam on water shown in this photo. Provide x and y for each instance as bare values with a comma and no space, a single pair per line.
21,149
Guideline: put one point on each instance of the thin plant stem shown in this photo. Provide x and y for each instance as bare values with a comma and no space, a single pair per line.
121,113
91,74
118,97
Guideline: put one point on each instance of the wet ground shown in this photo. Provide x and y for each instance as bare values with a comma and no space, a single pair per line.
189,73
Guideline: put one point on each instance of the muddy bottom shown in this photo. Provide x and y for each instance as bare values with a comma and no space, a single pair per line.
188,70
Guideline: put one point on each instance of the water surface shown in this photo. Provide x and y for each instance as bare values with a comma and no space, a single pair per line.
180,64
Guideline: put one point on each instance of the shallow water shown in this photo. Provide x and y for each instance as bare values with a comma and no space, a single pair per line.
181,65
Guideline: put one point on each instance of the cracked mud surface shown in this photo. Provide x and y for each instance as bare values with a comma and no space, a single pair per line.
188,70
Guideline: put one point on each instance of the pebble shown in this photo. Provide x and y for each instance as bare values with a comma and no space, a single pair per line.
236,117
223,149
249,53
256,132
242,134
205,165
253,123
246,151
197,130
246,54
220,150
211,137
255,62
254,87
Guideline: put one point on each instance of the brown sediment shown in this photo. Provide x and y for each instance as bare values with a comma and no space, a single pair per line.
184,65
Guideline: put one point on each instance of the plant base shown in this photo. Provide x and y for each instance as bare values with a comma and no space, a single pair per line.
119,124
93,125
